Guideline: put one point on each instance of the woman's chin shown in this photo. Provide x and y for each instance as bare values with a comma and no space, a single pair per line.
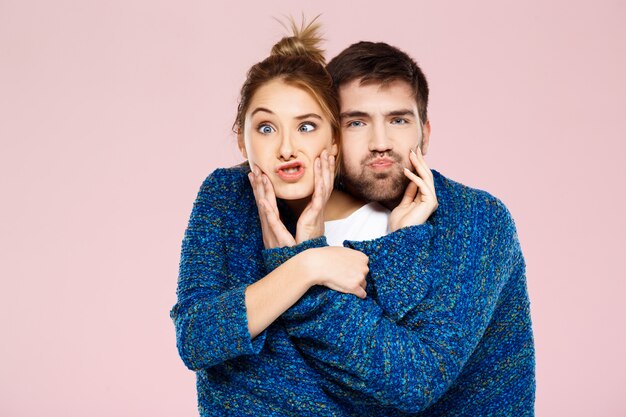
294,192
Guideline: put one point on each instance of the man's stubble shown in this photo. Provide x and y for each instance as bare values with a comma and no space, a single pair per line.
385,188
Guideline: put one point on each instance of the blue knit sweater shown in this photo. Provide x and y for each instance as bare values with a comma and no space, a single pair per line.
445,329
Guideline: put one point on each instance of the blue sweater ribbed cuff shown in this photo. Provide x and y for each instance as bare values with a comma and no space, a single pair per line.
275,257
400,268
234,312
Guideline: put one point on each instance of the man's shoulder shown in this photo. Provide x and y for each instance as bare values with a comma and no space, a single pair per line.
463,200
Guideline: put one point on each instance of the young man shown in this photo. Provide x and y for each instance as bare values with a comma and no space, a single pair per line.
448,333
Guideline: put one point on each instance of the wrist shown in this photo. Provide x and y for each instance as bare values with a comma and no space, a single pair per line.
307,233
304,268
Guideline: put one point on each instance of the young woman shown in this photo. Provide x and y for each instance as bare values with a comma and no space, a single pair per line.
254,245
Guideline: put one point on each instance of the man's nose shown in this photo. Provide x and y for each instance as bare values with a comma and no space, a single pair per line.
379,140
287,147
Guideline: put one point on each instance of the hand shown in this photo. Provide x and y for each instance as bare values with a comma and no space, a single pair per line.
311,222
419,200
275,234
338,268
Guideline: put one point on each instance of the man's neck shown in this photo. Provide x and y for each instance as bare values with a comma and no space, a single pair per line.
340,205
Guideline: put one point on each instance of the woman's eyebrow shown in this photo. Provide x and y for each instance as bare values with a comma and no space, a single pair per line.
308,116
259,109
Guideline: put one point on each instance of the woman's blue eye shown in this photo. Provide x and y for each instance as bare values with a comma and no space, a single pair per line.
265,129
306,127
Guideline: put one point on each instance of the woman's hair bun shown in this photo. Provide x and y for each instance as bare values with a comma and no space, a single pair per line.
304,41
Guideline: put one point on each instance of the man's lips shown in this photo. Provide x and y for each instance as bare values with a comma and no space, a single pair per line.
290,172
381,163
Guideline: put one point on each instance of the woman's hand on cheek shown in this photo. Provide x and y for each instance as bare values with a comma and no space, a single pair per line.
311,222
275,234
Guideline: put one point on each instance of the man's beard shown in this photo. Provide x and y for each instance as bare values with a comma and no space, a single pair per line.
386,188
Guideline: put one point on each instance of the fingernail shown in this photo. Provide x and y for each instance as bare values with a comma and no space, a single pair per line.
318,163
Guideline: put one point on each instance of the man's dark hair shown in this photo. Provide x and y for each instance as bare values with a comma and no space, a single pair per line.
380,63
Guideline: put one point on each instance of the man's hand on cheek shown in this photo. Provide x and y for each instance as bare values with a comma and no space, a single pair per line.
419,200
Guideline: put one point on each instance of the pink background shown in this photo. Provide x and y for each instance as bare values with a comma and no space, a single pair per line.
113,112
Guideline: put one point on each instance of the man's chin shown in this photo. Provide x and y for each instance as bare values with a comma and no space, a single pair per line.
384,188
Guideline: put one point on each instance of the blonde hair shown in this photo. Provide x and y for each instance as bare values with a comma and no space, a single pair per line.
304,41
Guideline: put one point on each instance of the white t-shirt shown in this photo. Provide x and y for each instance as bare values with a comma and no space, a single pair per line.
366,223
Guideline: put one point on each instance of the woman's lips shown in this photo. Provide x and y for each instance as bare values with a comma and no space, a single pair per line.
291,172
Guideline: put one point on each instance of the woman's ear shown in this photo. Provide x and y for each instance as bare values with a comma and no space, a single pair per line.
241,144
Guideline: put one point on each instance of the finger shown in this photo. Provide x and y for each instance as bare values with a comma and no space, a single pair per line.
317,201
264,211
257,198
253,185
277,227
411,190
430,179
360,292
419,164
268,189
272,220
421,168
424,171
420,183
258,183
325,170
331,168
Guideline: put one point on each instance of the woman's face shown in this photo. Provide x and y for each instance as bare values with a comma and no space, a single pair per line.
284,131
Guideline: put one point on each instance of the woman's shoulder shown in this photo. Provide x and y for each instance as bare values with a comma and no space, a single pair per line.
226,185
226,177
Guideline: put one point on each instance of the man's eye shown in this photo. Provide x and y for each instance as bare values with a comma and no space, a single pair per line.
307,127
265,129
355,123
399,121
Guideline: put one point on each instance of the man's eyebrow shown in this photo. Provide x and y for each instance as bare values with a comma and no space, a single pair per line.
401,112
308,116
258,109
354,113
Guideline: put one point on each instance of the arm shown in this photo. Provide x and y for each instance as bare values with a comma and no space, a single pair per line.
224,300
269,297
406,357
499,377
220,307
306,266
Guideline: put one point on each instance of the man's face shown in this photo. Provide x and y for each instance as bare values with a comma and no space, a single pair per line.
380,125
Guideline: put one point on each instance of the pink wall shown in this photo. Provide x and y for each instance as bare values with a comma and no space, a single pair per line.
112,113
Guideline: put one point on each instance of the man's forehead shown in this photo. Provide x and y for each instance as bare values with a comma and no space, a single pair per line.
375,94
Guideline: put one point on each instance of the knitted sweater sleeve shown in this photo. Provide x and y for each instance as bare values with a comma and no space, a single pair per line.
406,350
210,314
